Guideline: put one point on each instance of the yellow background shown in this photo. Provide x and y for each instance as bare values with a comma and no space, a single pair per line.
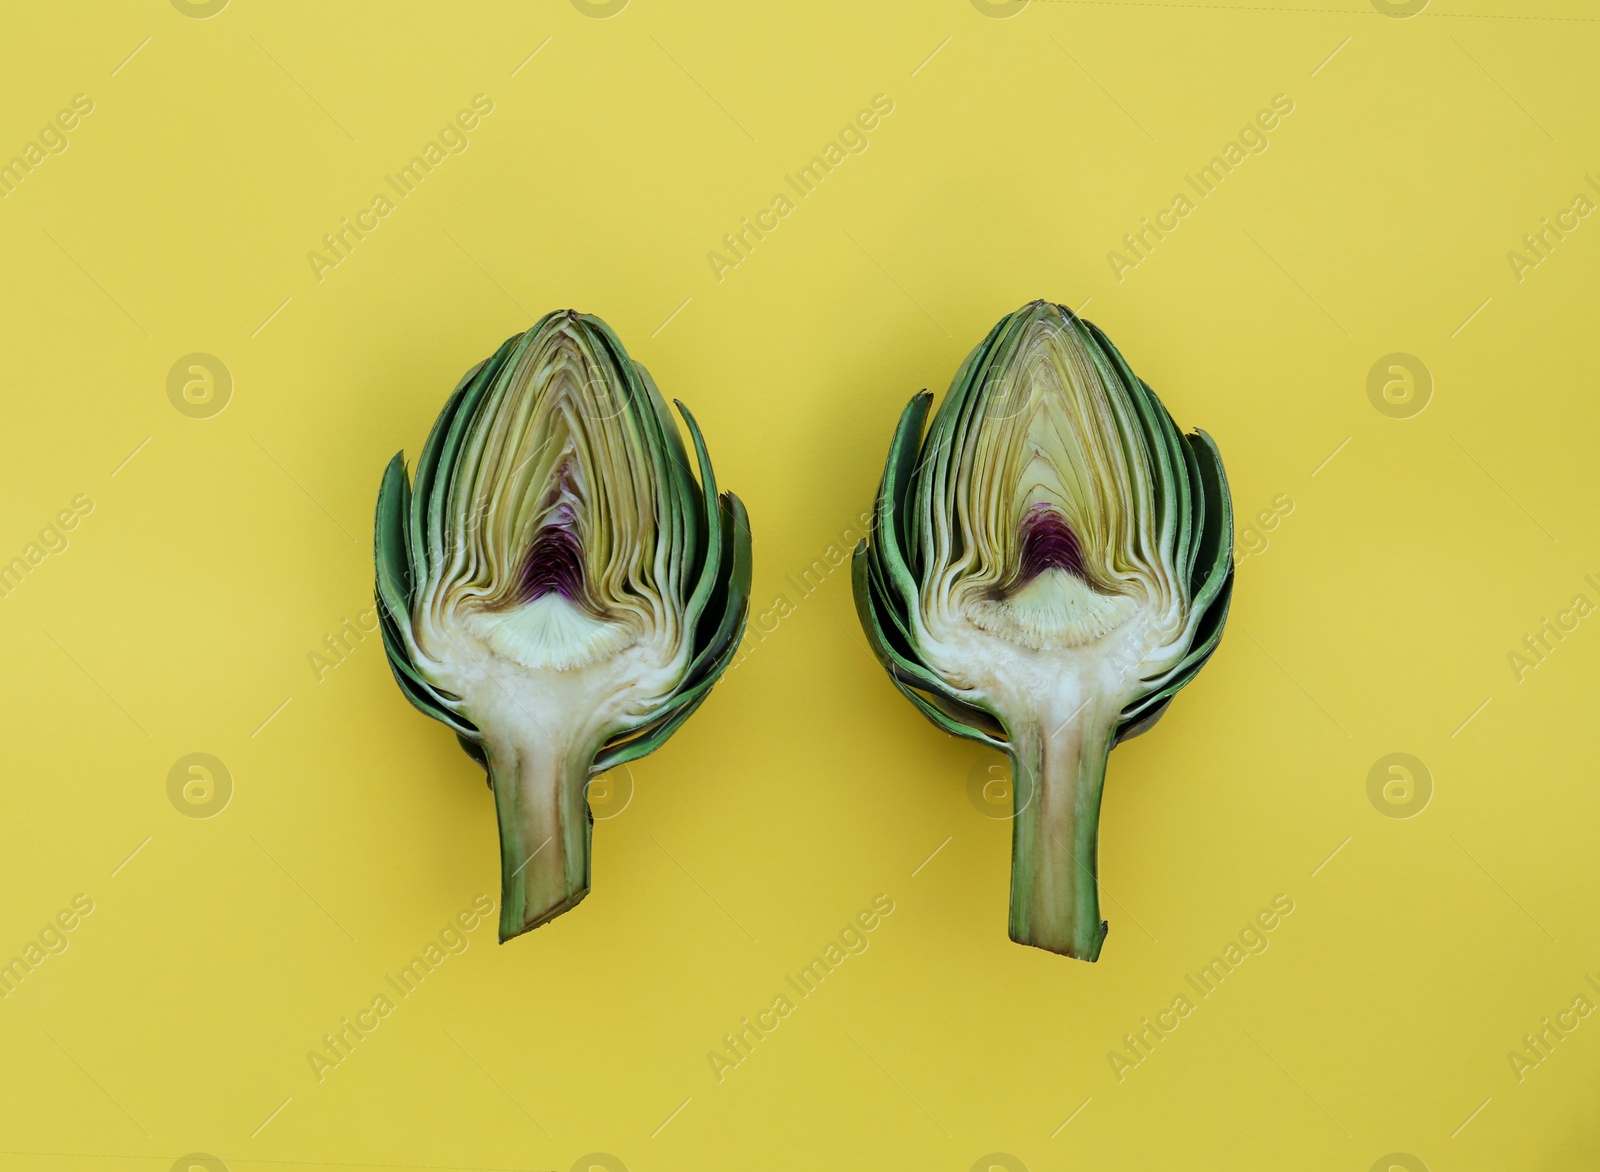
1378,619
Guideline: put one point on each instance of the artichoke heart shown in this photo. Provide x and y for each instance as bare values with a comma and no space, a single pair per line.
557,587
1047,566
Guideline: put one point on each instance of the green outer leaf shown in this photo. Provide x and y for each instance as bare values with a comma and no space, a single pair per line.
439,453
905,674
709,558
897,644
706,667
393,597
948,423
1175,490
426,698
647,410
1214,548
476,751
882,578
890,516
721,639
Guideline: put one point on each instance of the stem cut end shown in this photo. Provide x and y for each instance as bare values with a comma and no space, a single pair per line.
514,922
1084,944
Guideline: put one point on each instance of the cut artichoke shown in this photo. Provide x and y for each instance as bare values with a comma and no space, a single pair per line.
557,588
1046,568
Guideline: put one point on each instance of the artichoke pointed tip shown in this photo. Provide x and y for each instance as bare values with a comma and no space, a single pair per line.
563,321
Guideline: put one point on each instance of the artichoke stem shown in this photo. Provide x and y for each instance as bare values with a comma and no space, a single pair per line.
545,828
1055,901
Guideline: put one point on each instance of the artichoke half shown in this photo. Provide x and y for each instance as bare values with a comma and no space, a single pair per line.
1046,568
557,587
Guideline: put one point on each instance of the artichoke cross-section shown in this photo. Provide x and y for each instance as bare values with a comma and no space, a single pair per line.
1049,562
560,584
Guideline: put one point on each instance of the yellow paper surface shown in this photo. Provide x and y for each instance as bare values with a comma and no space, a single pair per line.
209,597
